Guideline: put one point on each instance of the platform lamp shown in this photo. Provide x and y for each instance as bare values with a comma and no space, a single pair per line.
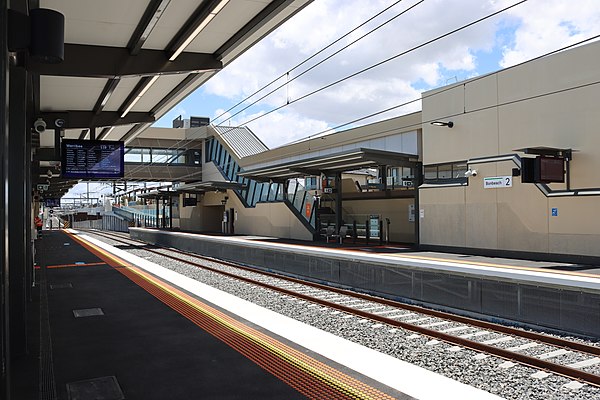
449,124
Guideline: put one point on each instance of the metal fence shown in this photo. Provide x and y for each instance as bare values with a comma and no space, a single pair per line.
106,223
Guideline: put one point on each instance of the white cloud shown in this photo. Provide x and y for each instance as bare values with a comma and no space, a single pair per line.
538,25
551,25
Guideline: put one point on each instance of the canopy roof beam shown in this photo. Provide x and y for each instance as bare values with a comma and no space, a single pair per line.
112,62
88,119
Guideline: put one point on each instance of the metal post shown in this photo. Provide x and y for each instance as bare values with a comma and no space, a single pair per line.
5,365
157,211
18,161
367,231
164,213
170,212
418,178
338,201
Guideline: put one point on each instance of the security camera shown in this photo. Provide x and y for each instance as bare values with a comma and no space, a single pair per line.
39,125
471,172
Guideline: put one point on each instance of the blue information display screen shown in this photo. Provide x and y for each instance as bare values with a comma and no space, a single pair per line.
87,159
52,202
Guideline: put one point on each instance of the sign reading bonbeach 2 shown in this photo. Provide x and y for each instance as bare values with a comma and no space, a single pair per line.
497,182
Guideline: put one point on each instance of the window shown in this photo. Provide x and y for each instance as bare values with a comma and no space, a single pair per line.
137,155
430,172
311,182
445,173
133,155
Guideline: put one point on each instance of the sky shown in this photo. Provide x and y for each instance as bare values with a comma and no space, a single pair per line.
291,112
521,33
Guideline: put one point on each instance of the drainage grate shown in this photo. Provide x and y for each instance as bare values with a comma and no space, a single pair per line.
88,312
67,285
104,388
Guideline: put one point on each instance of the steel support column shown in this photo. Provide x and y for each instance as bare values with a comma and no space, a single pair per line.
338,201
4,286
170,212
18,162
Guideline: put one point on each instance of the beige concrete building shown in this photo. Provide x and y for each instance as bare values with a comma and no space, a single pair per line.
470,196
551,102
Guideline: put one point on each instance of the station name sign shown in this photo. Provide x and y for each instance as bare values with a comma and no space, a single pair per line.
497,182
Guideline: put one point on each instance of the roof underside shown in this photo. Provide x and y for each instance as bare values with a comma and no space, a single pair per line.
113,49
332,163
127,63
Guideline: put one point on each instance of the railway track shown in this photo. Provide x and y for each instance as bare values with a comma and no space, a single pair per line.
551,354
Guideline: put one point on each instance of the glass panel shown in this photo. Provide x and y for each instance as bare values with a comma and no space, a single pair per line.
179,157
160,155
430,172
445,171
265,187
213,150
208,149
251,188
310,182
225,165
133,155
408,172
272,192
302,208
222,155
146,155
292,185
459,169
299,197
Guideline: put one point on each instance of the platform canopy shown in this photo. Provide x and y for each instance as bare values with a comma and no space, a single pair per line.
209,186
331,163
127,63
158,194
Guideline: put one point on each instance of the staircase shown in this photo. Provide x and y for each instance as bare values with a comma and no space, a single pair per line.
297,198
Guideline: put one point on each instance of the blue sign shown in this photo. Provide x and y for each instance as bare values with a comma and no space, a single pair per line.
555,212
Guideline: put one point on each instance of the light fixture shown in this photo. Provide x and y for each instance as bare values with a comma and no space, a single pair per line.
198,29
139,96
449,124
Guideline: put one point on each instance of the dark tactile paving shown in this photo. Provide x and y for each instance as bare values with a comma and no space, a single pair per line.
155,352
88,312
67,285
104,388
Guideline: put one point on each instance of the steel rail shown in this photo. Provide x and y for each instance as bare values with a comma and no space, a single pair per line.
566,371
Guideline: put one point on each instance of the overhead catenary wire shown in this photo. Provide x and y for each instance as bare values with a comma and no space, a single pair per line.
425,122
318,64
403,53
414,48
186,141
314,55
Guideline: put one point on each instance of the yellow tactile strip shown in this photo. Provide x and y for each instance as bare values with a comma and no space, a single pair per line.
306,374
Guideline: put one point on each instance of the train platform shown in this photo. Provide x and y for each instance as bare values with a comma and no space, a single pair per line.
115,326
555,296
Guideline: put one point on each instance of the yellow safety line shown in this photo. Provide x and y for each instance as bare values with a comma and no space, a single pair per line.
75,265
279,349
248,333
